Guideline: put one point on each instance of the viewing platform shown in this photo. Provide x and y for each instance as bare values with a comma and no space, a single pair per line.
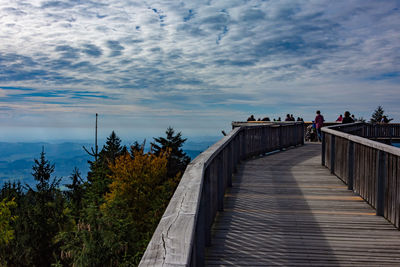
286,209
261,196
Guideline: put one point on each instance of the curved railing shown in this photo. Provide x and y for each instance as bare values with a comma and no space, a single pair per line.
185,228
369,168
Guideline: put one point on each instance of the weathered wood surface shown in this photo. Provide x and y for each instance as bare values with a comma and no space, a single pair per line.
185,228
286,209
370,168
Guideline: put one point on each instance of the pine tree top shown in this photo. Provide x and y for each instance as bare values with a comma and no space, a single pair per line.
42,171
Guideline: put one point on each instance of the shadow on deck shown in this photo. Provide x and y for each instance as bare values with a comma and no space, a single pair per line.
286,209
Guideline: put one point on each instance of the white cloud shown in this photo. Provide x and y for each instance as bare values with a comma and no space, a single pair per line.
181,58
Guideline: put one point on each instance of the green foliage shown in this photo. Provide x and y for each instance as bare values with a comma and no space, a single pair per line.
379,116
46,214
6,232
40,216
75,193
138,196
98,179
107,220
177,160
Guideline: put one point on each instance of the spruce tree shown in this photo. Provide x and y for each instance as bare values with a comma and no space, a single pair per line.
377,115
98,180
88,243
42,218
75,192
380,116
172,143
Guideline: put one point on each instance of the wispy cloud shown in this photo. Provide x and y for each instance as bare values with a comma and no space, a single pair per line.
179,58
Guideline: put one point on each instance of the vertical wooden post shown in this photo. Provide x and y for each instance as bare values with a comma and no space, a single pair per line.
323,149
236,151
231,163
208,209
199,250
332,154
220,182
302,133
350,165
244,144
381,181
280,137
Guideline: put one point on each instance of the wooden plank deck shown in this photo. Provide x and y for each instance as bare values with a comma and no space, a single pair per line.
286,209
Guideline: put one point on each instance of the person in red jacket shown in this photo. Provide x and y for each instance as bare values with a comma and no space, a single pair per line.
319,122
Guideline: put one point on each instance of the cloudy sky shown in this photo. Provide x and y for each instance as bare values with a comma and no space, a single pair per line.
195,65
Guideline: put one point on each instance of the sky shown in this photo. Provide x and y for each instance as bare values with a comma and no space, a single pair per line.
193,65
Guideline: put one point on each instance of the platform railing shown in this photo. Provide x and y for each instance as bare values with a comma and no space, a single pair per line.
369,168
185,228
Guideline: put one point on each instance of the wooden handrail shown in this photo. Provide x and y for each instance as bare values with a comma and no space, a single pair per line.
369,168
185,228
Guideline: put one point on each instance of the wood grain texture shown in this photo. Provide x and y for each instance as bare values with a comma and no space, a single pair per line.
334,130
185,228
375,169
286,209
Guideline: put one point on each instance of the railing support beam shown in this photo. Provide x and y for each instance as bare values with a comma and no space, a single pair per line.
323,149
350,164
332,153
381,181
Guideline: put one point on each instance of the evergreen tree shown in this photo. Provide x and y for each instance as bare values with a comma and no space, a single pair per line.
12,190
75,193
377,115
47,214
380,116
172,143
112,149
88,242
98,180
39,217
45,187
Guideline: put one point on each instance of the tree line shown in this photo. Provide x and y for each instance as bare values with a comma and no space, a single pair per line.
104,220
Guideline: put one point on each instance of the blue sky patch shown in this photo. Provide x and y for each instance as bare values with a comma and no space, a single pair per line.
151,65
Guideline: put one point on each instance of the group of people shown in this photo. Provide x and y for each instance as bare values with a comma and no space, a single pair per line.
319,121
313,132
347,118
289,117
251,118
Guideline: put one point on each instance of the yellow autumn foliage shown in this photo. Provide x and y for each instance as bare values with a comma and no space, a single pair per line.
136,180
6,231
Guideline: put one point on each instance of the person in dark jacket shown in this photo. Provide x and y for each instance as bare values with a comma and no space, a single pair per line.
347,118
251,118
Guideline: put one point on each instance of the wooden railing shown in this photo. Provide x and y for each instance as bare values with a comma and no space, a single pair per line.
371,131
185,228
369,168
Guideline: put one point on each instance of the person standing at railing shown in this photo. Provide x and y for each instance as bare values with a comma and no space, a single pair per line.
347,118
385,119
319,122
251,118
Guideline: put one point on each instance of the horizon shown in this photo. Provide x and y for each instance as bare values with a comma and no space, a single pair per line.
195,66
86,135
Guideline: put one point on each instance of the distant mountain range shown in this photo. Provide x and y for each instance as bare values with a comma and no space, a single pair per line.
17,159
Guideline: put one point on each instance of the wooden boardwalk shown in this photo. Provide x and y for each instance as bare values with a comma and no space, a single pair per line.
286,209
